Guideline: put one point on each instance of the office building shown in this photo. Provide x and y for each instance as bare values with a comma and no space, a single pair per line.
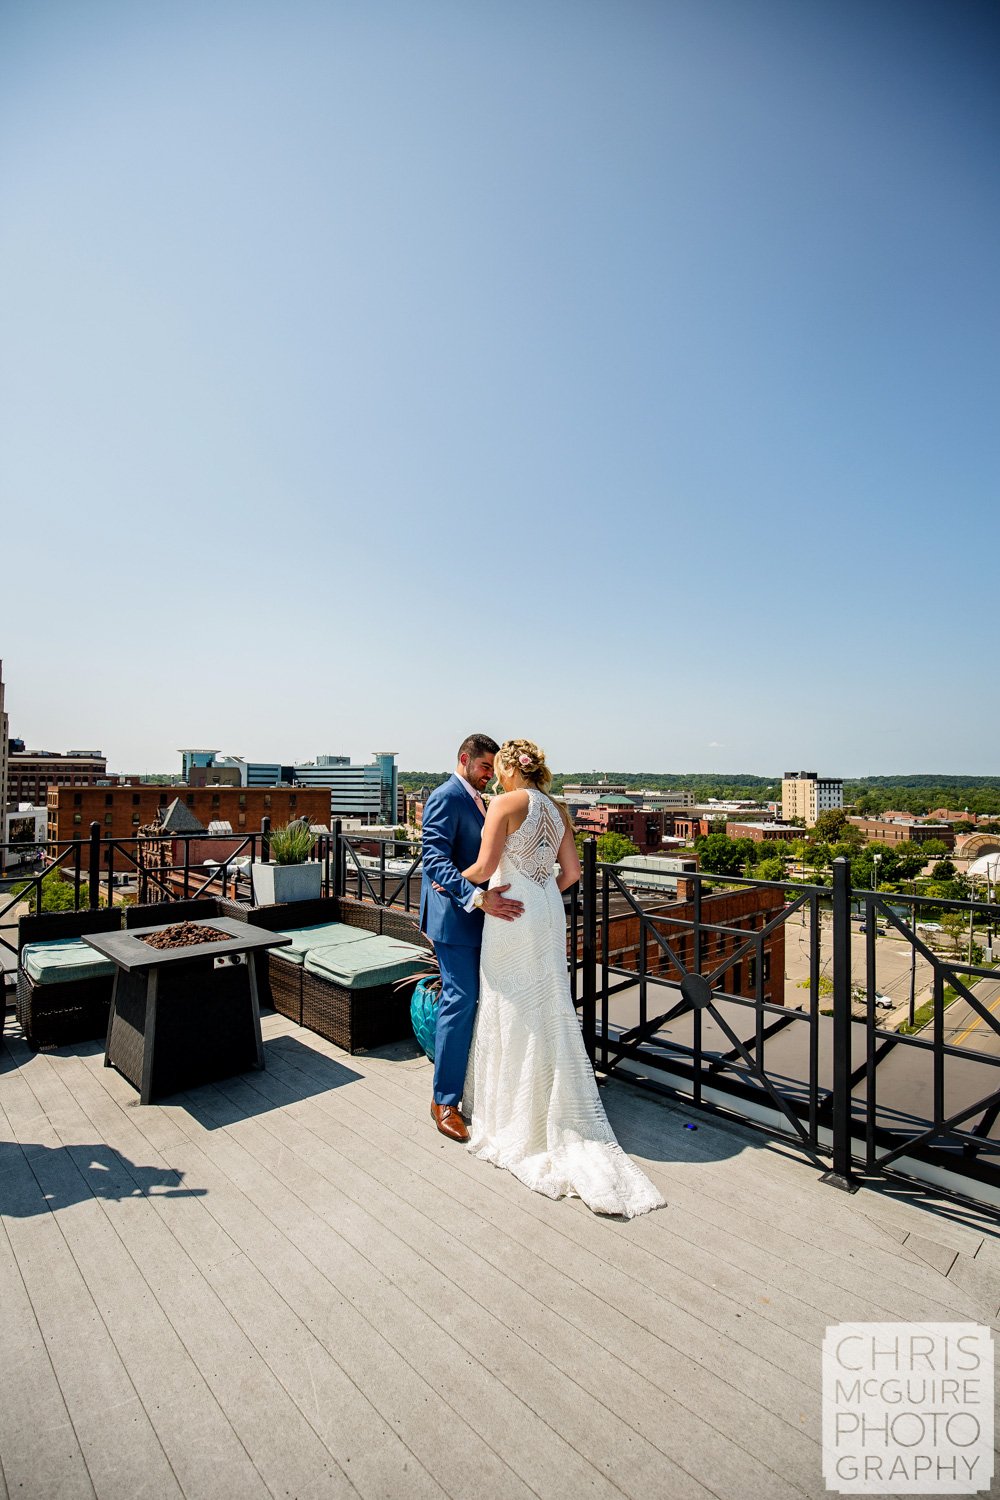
30,773
369,793
364,793
805,795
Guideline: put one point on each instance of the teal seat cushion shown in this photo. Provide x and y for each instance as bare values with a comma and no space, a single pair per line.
64,961
325,935
361,966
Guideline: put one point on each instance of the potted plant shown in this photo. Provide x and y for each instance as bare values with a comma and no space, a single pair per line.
287,876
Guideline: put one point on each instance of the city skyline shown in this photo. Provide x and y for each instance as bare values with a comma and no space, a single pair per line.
361,757
622,377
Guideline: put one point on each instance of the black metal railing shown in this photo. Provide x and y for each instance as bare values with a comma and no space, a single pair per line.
92,871
691,1000
662,1009
389,877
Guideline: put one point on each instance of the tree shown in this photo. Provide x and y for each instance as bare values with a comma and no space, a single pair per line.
951,890
933,848
57,894
720,854
944,869
864,865
829,825
770,869
612,848
956,926
911,859
773,849
819,856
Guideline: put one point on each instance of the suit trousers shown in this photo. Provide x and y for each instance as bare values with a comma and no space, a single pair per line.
455,1019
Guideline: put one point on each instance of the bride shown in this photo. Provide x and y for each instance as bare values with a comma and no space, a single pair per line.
530,1088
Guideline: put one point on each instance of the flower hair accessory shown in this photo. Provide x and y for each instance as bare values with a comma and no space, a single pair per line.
524,759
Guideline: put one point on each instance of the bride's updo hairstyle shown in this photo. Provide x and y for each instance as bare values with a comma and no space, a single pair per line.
524,756
528,758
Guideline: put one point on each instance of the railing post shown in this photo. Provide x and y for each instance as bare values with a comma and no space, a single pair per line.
574,941
589,1009
187,867
265,838
840,1175
94,891
338,859
77,868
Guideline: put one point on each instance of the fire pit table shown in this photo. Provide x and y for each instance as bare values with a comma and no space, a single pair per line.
188,1014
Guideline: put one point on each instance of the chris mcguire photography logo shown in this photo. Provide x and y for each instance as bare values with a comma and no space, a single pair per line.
908,1408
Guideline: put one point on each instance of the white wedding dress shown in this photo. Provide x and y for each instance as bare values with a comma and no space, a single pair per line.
530,1088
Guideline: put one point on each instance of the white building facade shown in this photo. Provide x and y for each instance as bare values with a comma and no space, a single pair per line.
805,795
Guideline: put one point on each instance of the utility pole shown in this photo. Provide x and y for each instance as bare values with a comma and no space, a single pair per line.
913,959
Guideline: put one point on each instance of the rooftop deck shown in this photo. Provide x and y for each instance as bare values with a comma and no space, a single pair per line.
290,1285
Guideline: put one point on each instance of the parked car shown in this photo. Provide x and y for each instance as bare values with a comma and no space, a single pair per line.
880,931
859,996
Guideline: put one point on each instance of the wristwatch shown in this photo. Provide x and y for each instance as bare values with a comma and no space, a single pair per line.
479,900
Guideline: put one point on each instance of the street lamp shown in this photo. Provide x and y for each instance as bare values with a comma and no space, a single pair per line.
875,860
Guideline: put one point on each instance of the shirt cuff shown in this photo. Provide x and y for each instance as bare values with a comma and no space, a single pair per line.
469,905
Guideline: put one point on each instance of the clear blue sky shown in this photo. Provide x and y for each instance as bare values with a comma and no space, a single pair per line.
621,375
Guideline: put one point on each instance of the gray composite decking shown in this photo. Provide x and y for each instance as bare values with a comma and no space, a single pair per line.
289,1284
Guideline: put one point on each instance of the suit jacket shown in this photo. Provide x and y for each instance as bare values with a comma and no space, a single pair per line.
452,831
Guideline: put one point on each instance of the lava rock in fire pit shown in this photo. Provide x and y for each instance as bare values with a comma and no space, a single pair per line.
185,935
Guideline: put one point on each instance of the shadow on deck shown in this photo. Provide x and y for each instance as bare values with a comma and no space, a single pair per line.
289,1283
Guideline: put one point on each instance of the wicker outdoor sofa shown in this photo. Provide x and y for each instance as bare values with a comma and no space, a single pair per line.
63,987
353,1012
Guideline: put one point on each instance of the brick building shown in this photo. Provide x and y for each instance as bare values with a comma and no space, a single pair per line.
903,831
30,773
691,826
617,814
749,908
761,833
948,815
123,810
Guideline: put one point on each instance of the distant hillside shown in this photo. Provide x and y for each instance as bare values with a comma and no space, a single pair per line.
912,793
921,794
703,783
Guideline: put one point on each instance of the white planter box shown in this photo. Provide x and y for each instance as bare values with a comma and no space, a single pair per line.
278,883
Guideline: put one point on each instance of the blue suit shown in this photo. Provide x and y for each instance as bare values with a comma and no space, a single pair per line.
452,831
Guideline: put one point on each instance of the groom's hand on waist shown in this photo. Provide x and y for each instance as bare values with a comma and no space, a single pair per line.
496,904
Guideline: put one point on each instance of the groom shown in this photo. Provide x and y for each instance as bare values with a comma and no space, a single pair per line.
451,915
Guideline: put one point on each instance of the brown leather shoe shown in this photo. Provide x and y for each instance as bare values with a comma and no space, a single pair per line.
450,1123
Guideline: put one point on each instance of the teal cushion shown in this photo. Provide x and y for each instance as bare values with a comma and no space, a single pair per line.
325,935
361,966
285,957
64,961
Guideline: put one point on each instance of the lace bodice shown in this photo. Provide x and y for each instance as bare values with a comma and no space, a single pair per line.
533,847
